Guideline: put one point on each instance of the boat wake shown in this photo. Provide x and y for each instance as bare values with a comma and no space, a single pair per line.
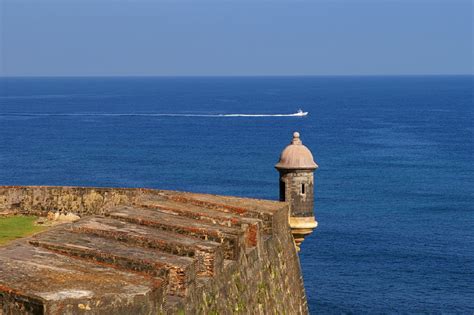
297,114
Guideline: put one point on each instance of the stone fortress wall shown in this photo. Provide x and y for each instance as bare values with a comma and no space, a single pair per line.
143,251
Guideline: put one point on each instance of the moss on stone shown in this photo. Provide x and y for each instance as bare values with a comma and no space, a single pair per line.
239,307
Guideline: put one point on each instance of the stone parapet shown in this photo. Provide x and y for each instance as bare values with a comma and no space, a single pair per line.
144,251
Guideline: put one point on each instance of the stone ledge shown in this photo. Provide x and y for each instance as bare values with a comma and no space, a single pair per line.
209,254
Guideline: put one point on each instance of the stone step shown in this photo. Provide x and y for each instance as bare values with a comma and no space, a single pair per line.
34,280
250,208
232,238
180,271
209,254
251,226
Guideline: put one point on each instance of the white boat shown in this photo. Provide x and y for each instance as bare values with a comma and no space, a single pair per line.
300,113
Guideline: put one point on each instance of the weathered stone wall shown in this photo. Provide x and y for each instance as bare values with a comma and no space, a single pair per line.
39,200
264,280
302,202
250,265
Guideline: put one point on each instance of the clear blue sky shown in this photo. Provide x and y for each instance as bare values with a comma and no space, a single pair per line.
235,37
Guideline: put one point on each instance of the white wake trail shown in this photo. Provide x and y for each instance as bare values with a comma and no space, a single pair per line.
144,115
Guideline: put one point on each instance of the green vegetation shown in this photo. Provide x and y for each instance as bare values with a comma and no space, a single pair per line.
16,227
239,307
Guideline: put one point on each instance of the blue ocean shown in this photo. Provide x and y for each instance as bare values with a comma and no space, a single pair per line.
394,189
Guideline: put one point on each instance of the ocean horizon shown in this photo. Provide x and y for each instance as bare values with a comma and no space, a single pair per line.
394,197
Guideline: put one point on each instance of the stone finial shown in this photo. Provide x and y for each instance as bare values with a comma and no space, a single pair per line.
296,138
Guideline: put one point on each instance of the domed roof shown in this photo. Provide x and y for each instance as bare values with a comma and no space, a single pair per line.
296,156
